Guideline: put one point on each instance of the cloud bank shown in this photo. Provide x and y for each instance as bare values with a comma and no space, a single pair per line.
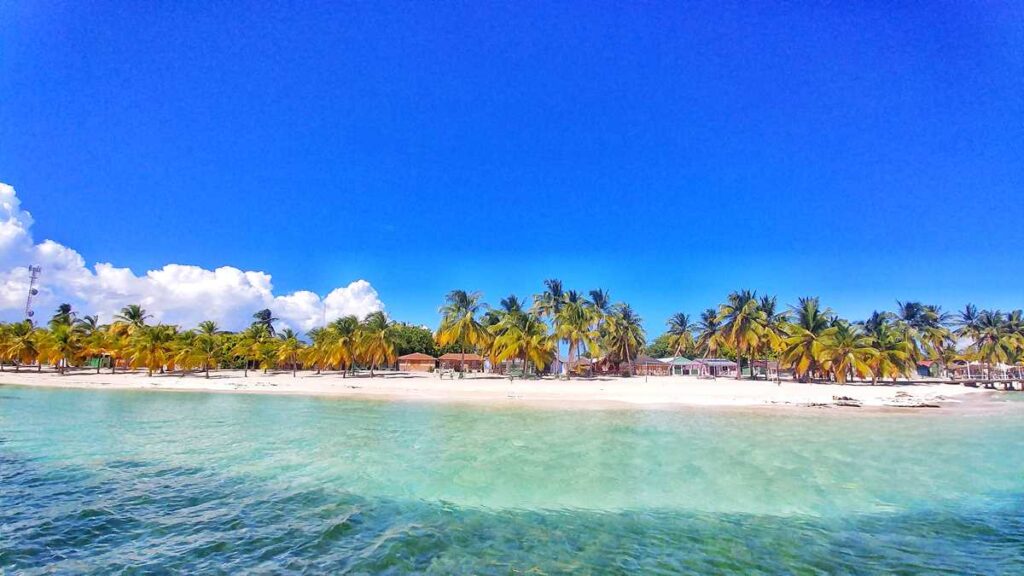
175,294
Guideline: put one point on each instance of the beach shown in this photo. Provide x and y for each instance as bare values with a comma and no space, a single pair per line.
493,389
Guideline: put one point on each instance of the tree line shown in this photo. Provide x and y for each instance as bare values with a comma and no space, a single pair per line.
806,338
815,343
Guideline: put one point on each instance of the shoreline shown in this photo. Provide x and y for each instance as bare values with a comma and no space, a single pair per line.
603,393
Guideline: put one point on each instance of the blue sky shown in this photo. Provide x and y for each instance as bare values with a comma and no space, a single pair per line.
669,154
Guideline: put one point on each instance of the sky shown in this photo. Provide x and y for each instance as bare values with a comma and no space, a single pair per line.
208,158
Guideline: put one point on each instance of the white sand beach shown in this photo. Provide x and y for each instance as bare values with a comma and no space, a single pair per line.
605,392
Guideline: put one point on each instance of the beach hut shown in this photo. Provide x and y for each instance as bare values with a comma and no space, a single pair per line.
962,370
647,366
718,367
681,366
769,369
927,368
578,366
417,362
454,361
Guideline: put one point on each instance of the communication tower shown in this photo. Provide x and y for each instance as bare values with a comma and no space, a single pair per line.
33,278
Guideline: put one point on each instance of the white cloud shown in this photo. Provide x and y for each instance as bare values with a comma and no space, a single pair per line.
176,293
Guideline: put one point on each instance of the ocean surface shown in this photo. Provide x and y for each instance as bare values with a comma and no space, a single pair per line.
141,482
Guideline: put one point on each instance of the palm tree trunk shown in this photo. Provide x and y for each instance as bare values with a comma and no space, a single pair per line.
568,354
629,362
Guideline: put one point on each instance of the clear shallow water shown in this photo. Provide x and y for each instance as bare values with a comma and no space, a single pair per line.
151,482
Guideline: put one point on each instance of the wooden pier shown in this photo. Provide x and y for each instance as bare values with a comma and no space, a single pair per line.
1008,384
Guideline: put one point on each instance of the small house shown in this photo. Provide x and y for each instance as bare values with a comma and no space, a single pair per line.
647,366
417,362
457,360
718,367
767,369
681,366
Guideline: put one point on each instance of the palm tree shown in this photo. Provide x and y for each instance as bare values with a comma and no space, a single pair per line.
522,336
87,325
742,326
317,353
509,316
923,327
513,305
289,348
801,346
202,348
548,304
5,331
94,344
459,324
876,320
152,347
64,316
967,323
994,342
209,328
709,339
342,343
4,338
774,325
115,343
22,344
893,354
949,354
133,317
377,340
252,345
1015,334
845,349
574,324
61,346
626,335
680,331
601,306
266,319
510,305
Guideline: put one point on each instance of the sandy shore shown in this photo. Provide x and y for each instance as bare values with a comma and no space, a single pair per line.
663,391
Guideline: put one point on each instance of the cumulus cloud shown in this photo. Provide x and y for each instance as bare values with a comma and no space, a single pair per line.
176,294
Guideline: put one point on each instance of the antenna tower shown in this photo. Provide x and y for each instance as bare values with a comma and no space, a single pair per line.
33,278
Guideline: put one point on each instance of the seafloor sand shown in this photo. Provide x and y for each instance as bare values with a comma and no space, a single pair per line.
663,391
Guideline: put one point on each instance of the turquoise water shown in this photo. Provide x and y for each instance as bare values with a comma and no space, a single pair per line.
142,482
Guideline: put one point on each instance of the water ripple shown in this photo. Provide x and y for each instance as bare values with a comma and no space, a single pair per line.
297,486
66,519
